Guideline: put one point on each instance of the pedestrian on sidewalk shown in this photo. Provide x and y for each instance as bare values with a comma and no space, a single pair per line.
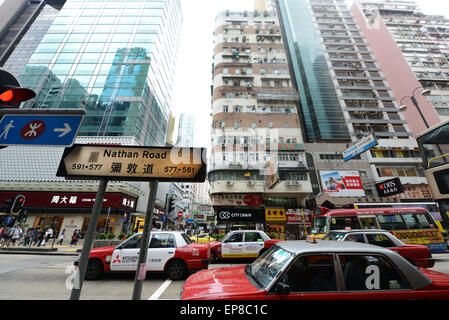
6,236
27,238
35,237
17,231
48,234
61,237
40,238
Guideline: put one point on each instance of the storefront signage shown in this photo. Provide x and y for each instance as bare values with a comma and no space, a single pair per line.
296,216
275,214
342,183
360,147
59,200
133,163
230,214
252,200
389,187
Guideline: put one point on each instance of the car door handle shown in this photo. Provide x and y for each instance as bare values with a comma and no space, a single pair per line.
170,252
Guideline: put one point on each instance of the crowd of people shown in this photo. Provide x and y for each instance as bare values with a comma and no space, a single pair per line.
38,237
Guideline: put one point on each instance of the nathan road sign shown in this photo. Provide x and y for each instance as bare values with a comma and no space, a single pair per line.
48,127
133,163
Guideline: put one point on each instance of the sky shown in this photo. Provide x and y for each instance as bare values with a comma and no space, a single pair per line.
193,78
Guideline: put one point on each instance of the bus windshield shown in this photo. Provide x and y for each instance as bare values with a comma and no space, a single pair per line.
434,146
319,225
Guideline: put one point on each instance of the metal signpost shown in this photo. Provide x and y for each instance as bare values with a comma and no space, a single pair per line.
129,163
360,147
47,127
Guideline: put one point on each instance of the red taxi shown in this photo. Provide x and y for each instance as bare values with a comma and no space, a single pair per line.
323,270
241,244
417,254
171,252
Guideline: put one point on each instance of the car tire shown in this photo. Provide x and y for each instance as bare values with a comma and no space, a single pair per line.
176,270
213,257
94,269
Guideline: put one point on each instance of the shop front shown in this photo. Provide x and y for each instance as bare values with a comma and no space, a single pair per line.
275,220
71,211
231,218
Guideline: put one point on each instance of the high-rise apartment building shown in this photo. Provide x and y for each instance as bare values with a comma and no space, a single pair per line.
345,97
255,127
412,50
186,130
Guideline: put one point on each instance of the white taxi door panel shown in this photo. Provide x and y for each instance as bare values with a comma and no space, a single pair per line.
233,246
253,243
162,248
126,255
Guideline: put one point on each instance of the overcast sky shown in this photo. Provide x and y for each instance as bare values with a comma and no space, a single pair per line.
194,68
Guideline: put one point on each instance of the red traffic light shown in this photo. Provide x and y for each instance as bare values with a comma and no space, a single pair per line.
11,92
17,95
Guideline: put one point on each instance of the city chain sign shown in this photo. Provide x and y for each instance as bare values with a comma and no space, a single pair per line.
133,163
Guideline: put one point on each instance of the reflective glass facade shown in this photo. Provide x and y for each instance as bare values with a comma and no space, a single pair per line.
321,110
116,59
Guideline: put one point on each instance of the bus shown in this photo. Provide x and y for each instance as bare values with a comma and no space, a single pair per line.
431,207
433,145
412,225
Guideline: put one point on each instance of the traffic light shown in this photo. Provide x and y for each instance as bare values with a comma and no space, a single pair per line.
18,203
11,93
171,204
22,217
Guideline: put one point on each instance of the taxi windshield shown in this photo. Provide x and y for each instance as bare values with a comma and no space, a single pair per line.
186,238
268,266
319,225
338,236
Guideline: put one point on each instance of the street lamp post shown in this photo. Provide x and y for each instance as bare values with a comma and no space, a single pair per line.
403,107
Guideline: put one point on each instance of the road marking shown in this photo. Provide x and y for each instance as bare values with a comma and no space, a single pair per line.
161,290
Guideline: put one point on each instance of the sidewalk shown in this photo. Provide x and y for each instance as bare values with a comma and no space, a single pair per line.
65,249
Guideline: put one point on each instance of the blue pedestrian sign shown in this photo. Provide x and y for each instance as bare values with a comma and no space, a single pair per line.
9,220
48,127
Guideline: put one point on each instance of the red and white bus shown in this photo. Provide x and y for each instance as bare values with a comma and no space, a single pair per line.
412,225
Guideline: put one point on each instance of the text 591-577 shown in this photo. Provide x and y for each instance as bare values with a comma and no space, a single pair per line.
82,166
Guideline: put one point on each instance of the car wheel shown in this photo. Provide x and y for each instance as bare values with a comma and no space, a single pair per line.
176,270
94,269
213,257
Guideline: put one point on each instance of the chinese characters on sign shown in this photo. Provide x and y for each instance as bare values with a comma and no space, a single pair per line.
275,215
130,163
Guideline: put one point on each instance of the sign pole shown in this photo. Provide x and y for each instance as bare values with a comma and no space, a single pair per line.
84,258
144,244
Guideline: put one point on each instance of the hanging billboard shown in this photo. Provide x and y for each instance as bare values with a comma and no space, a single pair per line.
342,183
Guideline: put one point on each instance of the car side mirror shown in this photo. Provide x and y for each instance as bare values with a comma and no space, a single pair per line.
281,288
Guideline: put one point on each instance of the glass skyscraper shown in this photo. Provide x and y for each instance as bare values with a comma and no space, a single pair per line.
114,58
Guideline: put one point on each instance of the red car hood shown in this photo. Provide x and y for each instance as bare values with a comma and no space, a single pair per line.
103,250
221,283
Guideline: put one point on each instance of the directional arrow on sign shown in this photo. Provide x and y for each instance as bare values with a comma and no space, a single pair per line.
64,130
47,127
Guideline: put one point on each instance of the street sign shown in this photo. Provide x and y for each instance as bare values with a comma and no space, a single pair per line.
133,163
389,187
49,127
360,147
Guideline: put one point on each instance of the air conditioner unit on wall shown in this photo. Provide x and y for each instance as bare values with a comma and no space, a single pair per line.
229,183
251,183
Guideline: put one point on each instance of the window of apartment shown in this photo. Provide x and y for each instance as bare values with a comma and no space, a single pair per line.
285,124
253,125
230,95
222,124
270,124
236,124
225,70
225,108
